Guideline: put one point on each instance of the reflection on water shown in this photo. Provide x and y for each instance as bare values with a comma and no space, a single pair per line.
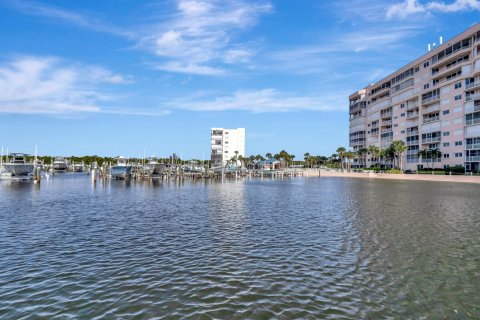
249,249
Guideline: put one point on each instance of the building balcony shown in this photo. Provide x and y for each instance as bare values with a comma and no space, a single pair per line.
412,133
473,97
472,122
472,158
430,100
412,106
386,114
386,122
431,140
412,152
473,85
472,146
413,143
386,130
430,120
430,160
374,132
412,115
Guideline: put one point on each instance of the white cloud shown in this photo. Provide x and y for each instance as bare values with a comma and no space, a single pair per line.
39,85
201,34
259,101
410,7
43,10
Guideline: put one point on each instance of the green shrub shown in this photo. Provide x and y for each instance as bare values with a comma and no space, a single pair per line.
394,171
456,169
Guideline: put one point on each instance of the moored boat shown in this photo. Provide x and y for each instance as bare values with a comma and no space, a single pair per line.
122,170
60,165
17,165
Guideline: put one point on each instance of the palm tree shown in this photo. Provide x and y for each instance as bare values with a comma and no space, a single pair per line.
349,155
375,152
435,153
423,154
362,153
306,157
341,155
268,156
398,147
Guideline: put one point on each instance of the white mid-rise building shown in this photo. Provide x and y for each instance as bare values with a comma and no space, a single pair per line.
226,144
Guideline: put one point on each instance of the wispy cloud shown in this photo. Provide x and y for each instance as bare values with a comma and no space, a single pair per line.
260,101
411,7
199,37
85,21
48,85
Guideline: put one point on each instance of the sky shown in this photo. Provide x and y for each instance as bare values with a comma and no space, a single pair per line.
131,77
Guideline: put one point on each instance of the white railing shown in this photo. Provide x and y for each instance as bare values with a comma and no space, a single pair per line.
431,140
473,84
412,143
472,122
387,122
429,120
473,146
472,158
472,97
412,115
431,99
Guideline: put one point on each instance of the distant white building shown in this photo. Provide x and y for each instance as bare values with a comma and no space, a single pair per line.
224,143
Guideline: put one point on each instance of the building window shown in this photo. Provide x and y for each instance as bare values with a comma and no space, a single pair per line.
402,115
446,112
446,133
426,86
446,155
417,69
458,154
426,64
446,144
403,131
402,106
458,97
458,85
458,143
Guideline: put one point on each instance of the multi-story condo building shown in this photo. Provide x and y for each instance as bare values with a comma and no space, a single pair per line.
226,144
431,103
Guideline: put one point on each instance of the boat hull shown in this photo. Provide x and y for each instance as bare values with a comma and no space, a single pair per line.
18,169
121,172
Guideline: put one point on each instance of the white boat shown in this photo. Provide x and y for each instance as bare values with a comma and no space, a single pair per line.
60,165
122,170
17,165
153,167
78,167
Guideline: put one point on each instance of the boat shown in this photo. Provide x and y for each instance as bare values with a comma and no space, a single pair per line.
77,167
122,170
60,165
152,167
17,166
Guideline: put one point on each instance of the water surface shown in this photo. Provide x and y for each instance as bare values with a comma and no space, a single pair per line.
329,248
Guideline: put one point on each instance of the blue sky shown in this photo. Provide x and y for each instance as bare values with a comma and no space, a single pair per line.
124,77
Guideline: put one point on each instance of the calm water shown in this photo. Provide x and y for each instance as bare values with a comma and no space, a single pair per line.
326,248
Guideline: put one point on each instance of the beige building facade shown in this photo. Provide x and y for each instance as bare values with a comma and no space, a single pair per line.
433,103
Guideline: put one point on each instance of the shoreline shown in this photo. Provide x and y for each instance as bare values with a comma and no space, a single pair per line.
388,176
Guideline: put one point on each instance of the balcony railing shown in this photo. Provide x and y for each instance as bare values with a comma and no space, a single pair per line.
473,146
386,114
413,142
429,160
412,115
412,152
431,100
432,119
472,97
472,122
386,122
473,85
412,133
431,140
386,130
412,106
472,158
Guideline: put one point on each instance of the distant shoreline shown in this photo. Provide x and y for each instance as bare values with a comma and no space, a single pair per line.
389,176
